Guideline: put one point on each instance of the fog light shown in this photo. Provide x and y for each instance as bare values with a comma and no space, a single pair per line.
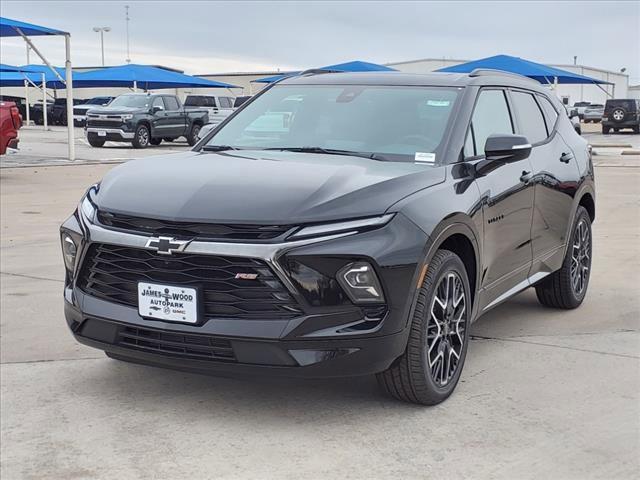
360,282
69,251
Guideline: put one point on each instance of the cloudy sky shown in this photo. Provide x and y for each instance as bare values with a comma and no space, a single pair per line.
207,37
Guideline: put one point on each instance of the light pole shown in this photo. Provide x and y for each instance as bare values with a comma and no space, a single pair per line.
102,30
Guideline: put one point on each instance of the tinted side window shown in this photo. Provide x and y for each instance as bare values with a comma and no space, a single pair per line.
171,103
194,101
211,102
550,114
530,117
157,102
225,102
490,116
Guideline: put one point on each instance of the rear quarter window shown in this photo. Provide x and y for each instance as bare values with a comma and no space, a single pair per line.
530,120
550,113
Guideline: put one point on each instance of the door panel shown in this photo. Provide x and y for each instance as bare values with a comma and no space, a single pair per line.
507,206
506,199
174,124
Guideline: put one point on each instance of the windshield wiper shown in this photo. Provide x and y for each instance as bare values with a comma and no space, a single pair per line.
218,148
328,151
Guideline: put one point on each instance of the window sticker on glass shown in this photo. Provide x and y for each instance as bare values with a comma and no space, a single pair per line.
424,157
438,103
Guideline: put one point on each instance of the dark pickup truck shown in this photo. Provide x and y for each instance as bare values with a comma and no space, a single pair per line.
143,119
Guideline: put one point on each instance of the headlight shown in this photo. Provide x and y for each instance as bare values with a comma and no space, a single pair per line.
127,116
69,251
341,227
87,205
361,283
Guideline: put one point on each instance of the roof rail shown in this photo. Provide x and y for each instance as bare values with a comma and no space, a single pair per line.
318,71
486,72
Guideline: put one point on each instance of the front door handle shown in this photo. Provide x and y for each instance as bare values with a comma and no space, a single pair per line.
525,177
566,157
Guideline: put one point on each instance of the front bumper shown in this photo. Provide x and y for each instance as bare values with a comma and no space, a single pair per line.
314,344
111,134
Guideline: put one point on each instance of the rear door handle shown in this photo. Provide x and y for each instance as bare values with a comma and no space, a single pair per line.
566,157
525,177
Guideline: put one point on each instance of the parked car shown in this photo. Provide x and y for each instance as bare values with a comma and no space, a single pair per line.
620,114
80,111
574,118
580,107
10,123
218,107
143,119
363,238
56,111
593,113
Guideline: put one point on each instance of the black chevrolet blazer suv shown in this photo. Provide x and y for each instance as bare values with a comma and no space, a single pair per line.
337,224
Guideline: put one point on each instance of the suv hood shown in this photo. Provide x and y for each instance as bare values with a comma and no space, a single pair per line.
263,187
115,110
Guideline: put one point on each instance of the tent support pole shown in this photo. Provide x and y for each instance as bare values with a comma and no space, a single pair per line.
44,102
69,85
26,98
33,47
135,86
606,92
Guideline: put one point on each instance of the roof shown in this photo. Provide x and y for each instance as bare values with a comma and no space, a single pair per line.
435,79
537,71
12,28
146,77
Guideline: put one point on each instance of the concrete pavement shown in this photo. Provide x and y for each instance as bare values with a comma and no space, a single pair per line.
544,393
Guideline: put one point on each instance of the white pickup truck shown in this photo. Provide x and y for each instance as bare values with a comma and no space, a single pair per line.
218,107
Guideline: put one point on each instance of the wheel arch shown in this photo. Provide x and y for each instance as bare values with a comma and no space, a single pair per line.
459,235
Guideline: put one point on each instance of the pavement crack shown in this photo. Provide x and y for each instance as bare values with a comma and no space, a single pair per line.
564,347
33,277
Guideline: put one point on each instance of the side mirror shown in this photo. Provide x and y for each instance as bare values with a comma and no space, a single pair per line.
507,148
502,149
156,108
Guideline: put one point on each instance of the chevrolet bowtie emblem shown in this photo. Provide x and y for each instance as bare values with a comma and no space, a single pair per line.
167,245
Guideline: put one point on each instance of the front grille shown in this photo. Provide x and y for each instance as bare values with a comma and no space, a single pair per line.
198,347
192,229
103,123
112,273
79,111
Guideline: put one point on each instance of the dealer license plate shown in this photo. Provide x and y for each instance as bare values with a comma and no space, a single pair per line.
165,302
102,133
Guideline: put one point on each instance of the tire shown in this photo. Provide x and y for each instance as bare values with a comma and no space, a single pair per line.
618,114
193,138
142,137
155,141
563,289
636,129
605,130
414,376
94,140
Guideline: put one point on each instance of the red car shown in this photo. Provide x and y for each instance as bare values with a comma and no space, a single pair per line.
10,123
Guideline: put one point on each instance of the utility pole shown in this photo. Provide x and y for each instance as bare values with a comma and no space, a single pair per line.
101,30
126,10
575,59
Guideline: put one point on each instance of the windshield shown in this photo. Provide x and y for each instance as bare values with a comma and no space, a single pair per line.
98,101
394,122
138,101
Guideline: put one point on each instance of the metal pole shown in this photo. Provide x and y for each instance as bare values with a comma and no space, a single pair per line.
69,84
33,47
26,92
126,8
44,101
135,86
102,44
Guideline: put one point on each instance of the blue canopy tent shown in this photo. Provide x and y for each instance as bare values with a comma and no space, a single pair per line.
537,71
142,76
355,66
16,28
15,78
